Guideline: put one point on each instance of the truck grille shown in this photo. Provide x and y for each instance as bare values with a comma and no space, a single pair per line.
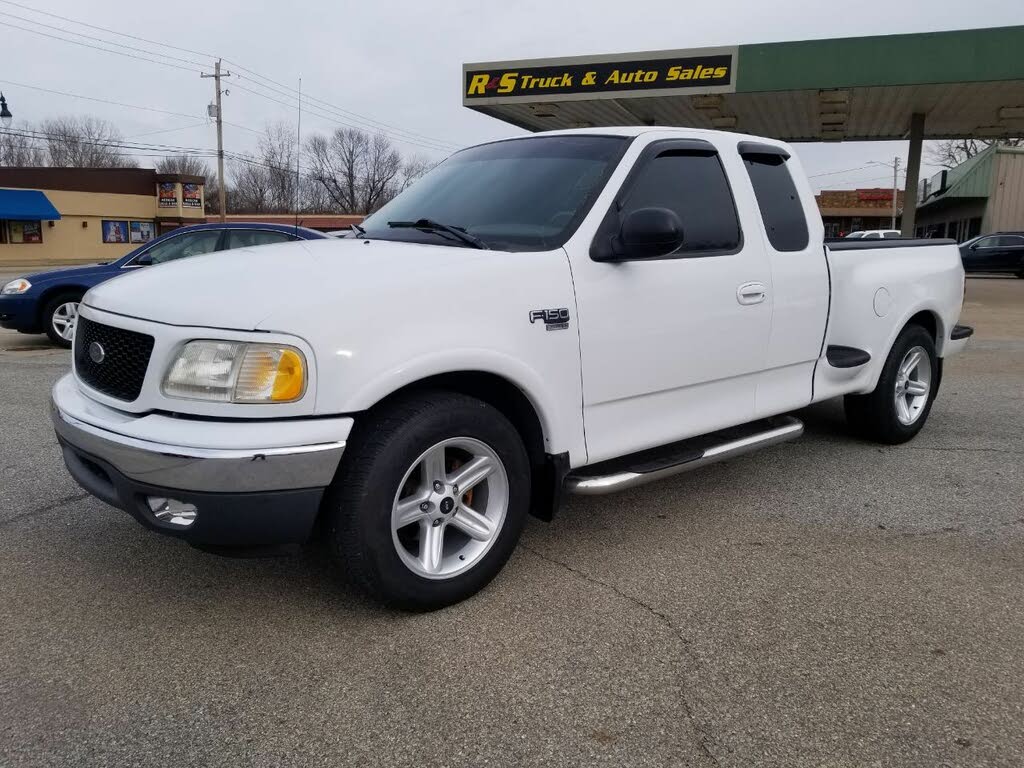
122,355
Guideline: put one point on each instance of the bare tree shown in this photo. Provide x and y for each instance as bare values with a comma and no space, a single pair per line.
359,172
83,142
415,167
251,187
337,163
951,152
19,149
185,165
382,173
277,150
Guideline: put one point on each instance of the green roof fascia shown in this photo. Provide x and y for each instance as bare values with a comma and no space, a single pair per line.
972,178
960,56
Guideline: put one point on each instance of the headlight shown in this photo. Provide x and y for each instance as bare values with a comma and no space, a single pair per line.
16,286
237,372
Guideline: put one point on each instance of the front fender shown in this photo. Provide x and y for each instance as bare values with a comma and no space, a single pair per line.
562,432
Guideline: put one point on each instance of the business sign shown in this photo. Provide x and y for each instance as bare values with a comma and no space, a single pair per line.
191,196
874,194
168,194
141,231
707,71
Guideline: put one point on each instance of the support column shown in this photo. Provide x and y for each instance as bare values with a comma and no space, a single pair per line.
913,173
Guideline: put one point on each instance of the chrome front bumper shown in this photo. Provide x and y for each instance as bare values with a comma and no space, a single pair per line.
255,462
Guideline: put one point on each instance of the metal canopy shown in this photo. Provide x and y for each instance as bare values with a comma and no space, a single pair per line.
967,83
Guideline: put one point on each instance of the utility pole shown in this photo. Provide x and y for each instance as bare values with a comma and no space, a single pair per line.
221,183
895,187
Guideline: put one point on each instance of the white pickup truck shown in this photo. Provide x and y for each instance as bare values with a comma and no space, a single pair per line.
578,311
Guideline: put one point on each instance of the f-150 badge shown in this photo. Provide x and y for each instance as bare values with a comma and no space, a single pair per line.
553,319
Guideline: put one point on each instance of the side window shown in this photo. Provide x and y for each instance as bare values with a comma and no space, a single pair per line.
695,187
987,242
246,238
780,205
188,244
891,235
1005,241
868,236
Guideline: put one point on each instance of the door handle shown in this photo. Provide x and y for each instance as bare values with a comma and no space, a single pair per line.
751,293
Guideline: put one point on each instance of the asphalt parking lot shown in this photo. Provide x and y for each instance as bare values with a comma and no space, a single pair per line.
822,603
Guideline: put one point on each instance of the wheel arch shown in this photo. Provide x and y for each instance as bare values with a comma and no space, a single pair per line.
508,397
56,290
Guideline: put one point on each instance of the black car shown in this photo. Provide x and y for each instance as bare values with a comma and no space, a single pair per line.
1000,252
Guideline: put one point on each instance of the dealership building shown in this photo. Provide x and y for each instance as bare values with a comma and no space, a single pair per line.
55,216
984,194
936,85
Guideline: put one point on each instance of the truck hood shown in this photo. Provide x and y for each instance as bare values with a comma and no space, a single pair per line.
273,287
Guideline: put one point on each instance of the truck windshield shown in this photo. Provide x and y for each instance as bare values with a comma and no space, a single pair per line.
519,195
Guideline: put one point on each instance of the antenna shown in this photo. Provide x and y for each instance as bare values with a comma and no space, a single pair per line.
298,158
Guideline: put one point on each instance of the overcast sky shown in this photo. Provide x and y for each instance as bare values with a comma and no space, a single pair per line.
399,63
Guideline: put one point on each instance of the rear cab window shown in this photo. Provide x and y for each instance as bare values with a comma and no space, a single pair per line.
777,197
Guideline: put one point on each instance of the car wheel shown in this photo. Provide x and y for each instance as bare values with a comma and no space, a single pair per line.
429,501
899,405
59,318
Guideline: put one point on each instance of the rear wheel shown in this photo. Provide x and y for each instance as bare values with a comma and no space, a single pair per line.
59,318
899,405
430,500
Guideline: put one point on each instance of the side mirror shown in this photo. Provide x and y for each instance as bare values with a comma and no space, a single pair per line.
144,260
648,233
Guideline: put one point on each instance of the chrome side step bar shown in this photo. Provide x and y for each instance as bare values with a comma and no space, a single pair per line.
771,432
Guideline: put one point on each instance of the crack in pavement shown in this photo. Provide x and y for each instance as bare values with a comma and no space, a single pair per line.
952,449
45,508
703,736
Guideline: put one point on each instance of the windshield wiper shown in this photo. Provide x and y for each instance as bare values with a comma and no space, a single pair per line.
429,225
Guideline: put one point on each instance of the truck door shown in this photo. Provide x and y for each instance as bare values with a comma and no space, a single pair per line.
792,233
671,347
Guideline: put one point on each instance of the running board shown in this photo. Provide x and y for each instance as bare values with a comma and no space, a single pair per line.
647,466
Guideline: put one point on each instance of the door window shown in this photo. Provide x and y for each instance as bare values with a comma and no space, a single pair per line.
780,205
694,186
1008,241
987,242
186,244
246,238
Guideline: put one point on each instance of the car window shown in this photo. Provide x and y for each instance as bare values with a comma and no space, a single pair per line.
695,187
1004,241
246,238
186,244
781,209
987,242
872,236
891,235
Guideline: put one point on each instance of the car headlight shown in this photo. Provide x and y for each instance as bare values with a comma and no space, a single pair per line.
16,286
237,372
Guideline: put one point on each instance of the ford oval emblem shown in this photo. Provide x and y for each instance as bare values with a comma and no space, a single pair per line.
96,352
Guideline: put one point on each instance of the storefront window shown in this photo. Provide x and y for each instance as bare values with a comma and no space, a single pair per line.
17,232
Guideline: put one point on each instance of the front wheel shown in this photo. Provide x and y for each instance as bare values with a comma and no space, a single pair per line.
59,318
430,500
899,405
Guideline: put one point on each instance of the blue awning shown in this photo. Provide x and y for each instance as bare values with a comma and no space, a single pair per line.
26,205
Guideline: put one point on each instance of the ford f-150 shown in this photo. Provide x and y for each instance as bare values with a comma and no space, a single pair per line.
579,311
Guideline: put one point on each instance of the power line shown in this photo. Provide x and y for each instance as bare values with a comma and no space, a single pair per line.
99,39
421,139
380,125
105,29
96,47
336,120
120,103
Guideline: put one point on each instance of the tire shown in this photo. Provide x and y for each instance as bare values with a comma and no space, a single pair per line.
388,459
878,415
56,317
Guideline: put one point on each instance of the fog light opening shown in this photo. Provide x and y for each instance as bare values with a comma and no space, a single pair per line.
172,511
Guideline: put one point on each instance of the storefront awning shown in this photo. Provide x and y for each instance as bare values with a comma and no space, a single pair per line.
26,205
